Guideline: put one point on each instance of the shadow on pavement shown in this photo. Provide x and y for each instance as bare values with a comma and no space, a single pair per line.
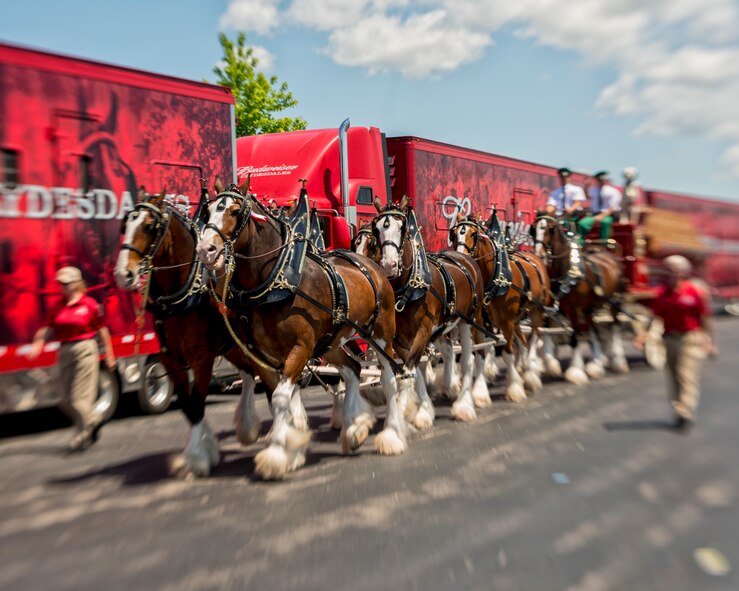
645,425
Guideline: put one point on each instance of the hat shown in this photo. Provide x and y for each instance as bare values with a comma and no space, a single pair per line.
564,171
68,275
601,174
678,264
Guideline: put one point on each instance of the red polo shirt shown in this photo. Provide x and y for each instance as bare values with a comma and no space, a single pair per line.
681,308
76,322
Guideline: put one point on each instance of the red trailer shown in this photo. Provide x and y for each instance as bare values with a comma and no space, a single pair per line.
77,138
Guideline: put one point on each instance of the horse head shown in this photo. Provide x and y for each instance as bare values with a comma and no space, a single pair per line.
228,214
550,240
464,236
364,242
389,229
143,230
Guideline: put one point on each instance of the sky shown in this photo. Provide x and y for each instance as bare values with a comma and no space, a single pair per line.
588,84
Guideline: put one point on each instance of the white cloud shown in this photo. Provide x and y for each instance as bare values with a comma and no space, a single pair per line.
676,61
326,15
258,16
420,46
266,59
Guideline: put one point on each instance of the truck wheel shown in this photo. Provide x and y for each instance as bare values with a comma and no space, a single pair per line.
155,393
109,390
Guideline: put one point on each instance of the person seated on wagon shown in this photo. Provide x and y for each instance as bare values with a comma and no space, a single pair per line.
605,202
566,200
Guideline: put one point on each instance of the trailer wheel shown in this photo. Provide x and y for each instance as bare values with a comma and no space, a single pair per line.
155,393
109,391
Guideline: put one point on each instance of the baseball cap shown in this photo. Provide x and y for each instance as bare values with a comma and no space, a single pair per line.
68,275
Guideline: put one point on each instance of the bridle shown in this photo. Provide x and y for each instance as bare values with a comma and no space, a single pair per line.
465,226
367,232
385,217
242,217
161,223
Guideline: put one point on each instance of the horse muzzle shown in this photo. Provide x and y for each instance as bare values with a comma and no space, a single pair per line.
211,255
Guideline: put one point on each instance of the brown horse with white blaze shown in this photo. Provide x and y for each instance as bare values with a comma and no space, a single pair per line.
583,282
293,308
159,244
516,286
434,295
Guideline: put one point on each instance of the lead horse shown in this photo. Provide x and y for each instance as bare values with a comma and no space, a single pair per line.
434,294
583,281
159,245
516,286
293,306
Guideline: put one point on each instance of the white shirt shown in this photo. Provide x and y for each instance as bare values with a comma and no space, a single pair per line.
565,197
609,197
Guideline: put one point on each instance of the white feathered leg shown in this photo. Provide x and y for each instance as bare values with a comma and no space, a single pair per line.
246,419
576,371
450,377
595,369
531,379
491,367
514,391
286,441
480,392
201,452
357,416
425,415
618,361
463,408
552,366
392,439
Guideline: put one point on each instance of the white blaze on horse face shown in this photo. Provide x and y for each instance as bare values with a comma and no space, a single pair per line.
390,236
363,244
540,229
127,273
210,244
460,234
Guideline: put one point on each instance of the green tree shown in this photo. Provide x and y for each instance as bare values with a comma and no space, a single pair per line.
257,97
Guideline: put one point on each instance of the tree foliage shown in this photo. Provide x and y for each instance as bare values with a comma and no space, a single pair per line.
258,98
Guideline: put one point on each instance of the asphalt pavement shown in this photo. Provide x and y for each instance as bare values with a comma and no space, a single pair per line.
578,488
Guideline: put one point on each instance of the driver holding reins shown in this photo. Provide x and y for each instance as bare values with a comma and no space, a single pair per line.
567,199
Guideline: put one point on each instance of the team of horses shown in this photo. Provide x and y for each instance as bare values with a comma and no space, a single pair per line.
253,283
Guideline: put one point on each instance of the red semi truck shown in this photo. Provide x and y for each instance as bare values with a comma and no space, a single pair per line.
77,138
346,169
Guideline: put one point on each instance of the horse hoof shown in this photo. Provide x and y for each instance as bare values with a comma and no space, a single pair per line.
464,412
576,376
594,371
248,436
298,461
515,393
531,381
481,395
620,366
272,463
192,466
388,443
423,420
353,437
553,368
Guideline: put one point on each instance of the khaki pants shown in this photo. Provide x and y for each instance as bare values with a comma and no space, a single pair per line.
79,367
685,351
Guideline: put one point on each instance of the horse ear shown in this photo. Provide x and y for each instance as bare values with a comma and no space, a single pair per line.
244,187
404,203
378,204
218,185
159,198
460,217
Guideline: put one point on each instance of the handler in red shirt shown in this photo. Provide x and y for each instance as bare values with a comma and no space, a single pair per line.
76,321
688,336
